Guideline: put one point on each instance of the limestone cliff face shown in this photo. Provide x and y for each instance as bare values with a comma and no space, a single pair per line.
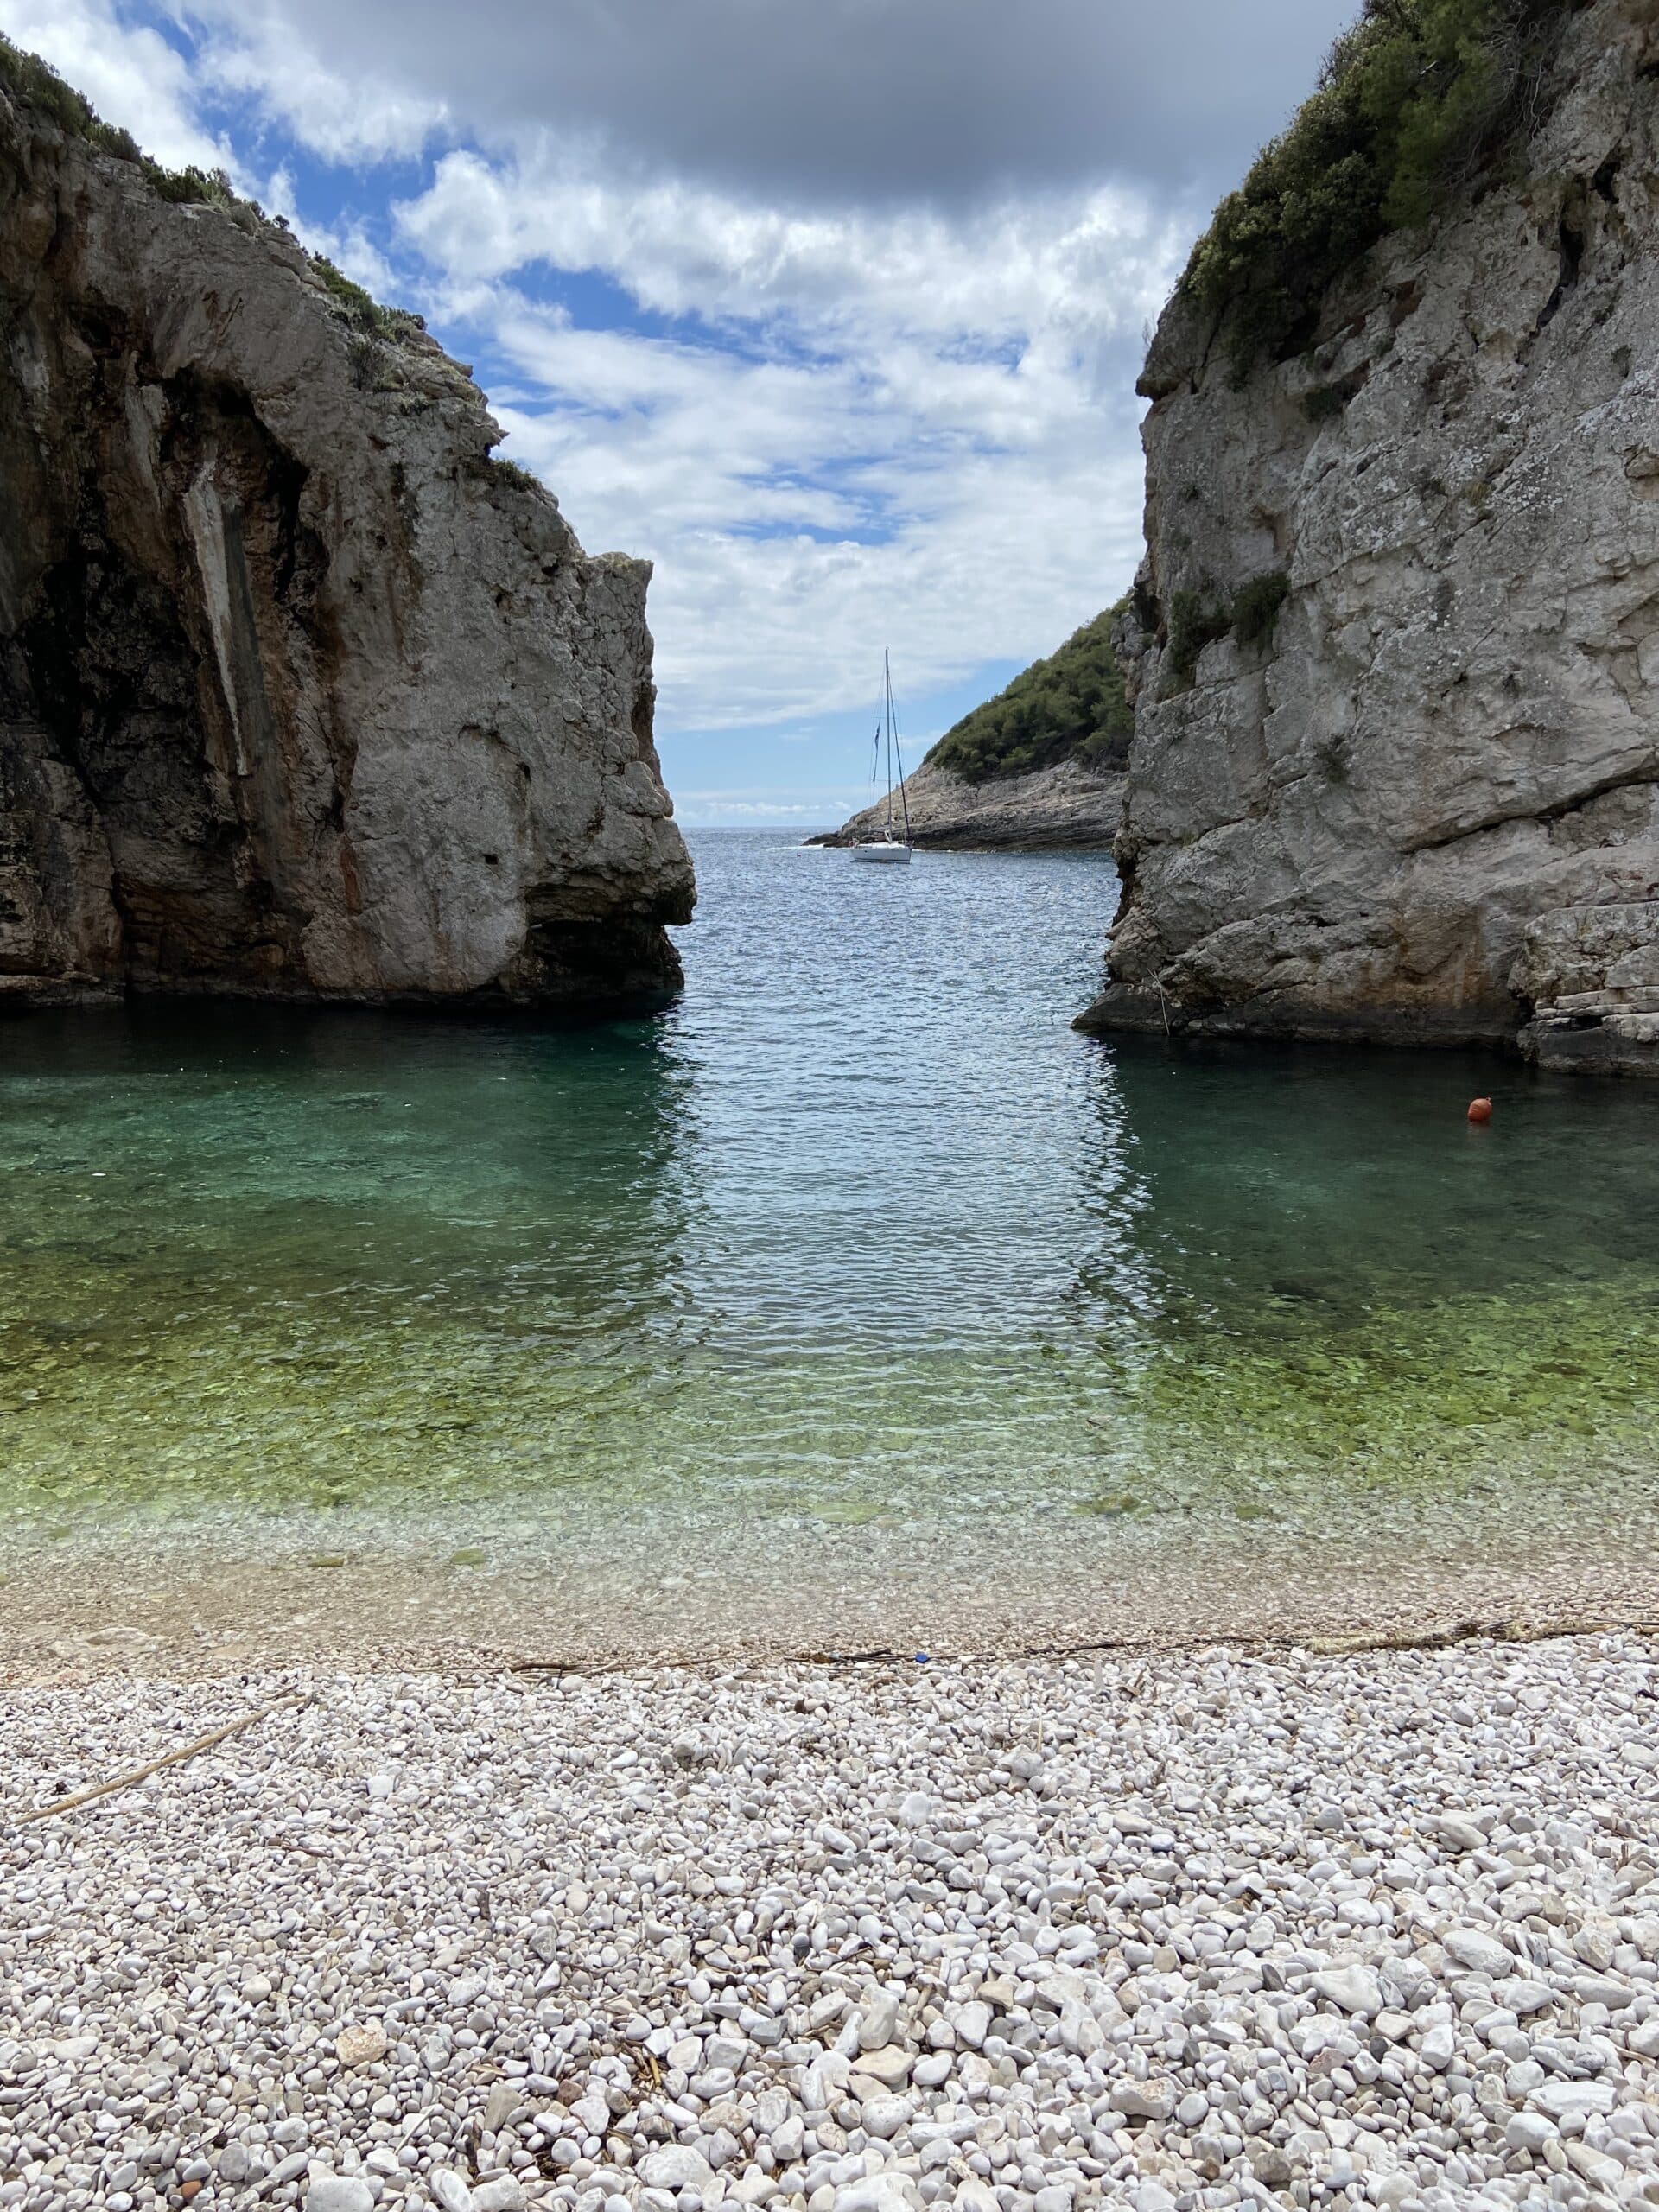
1067,805
300,694
1423,801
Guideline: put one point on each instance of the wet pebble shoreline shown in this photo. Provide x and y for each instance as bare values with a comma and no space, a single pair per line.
1189,1931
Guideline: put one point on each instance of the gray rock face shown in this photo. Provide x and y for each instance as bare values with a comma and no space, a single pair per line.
1591,975
1065,805
1369,820
302,694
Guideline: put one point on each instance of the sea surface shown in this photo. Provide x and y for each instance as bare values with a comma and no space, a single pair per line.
859,1235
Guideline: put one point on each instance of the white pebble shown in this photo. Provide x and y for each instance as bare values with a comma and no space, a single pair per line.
339,2193
1208,1927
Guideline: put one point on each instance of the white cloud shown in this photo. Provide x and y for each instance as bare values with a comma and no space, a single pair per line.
866,430
805,102
719,807
252,52
680,249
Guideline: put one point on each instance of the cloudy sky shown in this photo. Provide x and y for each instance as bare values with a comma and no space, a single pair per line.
832,308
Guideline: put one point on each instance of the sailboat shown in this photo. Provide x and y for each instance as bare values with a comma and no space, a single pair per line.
888,846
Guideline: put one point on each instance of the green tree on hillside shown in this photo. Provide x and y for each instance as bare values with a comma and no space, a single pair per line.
1071,706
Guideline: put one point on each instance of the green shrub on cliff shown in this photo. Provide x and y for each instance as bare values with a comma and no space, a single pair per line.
191,187
1251,616
1194,623
510,471
34,82
361,306
1410,105
27,77
1071,706
1256,605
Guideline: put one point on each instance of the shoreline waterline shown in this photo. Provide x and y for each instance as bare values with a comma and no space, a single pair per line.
197,1613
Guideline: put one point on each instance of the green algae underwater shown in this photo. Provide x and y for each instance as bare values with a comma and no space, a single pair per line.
860,1233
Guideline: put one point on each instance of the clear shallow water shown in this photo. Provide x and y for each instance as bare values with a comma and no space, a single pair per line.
861,1232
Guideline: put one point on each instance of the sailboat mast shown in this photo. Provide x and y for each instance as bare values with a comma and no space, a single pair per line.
886,689
899,759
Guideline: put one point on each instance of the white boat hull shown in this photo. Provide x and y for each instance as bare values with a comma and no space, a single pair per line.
891,855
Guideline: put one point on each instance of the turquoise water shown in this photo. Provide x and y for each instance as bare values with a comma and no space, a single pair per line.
862,1230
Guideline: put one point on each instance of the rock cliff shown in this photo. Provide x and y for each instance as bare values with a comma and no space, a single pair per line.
301,693
1071,804
1395,764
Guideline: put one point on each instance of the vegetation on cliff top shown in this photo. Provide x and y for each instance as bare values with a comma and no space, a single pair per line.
27,77
34,82
1071,706
1412,104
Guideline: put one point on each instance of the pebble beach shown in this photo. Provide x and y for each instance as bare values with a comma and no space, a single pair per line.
1186,1929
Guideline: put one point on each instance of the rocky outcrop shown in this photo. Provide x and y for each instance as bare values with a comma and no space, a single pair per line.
1397,691
1591,975
1070,805
301,694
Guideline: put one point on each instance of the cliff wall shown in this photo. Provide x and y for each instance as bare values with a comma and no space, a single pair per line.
1395,764
301,693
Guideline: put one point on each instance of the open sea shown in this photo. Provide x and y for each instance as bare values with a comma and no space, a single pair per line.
858,1263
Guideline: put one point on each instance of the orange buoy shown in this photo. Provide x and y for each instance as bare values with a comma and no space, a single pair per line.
1480,1110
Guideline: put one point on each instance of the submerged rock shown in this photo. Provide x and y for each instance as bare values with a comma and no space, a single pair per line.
1397,725
302,694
